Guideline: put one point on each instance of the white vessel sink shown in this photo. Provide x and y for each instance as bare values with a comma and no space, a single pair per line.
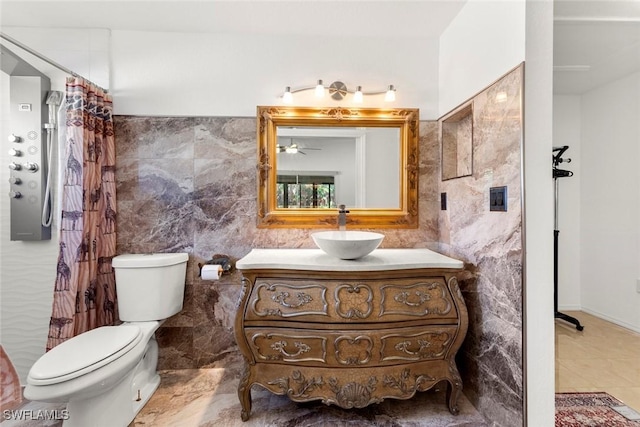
349,244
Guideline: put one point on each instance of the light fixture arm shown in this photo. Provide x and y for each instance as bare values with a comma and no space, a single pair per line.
337,90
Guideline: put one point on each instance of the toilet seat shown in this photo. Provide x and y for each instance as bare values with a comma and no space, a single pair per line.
84,353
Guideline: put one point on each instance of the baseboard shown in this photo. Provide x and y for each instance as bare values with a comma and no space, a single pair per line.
611,319
570,308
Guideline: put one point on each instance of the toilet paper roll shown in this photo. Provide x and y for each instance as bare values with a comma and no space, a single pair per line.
211,272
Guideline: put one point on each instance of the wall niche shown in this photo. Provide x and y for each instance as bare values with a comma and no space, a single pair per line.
456,139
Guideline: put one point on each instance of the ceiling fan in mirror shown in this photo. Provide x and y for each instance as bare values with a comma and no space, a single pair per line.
293,148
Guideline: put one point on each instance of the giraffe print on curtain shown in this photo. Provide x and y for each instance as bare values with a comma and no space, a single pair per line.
84,291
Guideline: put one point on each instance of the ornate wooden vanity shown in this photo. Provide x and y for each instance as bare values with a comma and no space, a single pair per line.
349,333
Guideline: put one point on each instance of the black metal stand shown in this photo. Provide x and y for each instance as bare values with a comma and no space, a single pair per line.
559,173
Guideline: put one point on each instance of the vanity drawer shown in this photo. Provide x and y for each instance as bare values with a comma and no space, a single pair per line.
351,348
352,301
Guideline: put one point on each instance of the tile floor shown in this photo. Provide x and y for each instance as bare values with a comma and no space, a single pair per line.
603,357
208,397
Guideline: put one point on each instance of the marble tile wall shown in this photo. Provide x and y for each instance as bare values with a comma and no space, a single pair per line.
189,184
490,244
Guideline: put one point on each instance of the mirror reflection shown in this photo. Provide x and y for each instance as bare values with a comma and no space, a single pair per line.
325,167
313,159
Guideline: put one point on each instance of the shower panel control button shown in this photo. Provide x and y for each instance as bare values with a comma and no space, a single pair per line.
14,180
15,194
15,166
14,138
14,152
31,167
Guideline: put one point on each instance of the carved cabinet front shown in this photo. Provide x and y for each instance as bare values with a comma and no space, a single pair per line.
350,338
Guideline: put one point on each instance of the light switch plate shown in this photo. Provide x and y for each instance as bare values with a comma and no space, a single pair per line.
498,199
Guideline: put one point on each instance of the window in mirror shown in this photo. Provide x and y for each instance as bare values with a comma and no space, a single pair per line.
303,191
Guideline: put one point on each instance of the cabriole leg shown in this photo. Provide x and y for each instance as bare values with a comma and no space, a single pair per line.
244,394
453,392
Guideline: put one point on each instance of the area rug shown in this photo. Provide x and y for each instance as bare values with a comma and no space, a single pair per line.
592,410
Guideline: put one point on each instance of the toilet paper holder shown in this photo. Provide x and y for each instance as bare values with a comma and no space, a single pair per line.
217,259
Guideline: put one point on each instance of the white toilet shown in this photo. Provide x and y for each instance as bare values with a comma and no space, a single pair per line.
108,374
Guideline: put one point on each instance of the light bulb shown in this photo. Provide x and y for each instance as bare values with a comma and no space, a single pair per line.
357,96
287,98
390,96
319,89
291,150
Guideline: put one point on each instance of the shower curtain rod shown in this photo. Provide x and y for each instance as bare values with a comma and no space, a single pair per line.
45,59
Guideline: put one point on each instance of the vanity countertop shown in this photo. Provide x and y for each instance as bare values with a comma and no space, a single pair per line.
316,259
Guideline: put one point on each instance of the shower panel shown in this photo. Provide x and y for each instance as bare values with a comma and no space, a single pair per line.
28,156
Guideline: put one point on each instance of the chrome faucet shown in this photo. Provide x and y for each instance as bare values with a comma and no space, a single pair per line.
342,217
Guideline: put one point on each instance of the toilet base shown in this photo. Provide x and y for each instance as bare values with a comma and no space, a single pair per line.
145,394
112,409
120,404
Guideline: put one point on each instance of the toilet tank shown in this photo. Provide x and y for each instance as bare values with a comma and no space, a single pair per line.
150,286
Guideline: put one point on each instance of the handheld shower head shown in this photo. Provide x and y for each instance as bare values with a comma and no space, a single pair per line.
54,98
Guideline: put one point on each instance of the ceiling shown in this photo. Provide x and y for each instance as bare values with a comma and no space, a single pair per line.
594,41
422,18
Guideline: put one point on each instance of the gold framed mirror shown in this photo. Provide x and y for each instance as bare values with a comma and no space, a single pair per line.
310,160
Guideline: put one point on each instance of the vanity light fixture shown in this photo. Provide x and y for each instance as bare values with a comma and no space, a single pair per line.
338,91
390,95
357,96
319,89
287,98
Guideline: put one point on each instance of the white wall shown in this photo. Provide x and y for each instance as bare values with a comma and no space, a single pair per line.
538,216
610,201
195,74
85,52
566,131
482,43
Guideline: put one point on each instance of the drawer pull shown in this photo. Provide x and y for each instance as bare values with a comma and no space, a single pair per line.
404,347
270,347
288,300
422,346
419,299
281,298
280,346
403,298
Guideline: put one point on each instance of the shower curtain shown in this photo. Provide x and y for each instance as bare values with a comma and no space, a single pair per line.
84,290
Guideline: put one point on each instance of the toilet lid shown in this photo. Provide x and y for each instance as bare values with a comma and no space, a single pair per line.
84,353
